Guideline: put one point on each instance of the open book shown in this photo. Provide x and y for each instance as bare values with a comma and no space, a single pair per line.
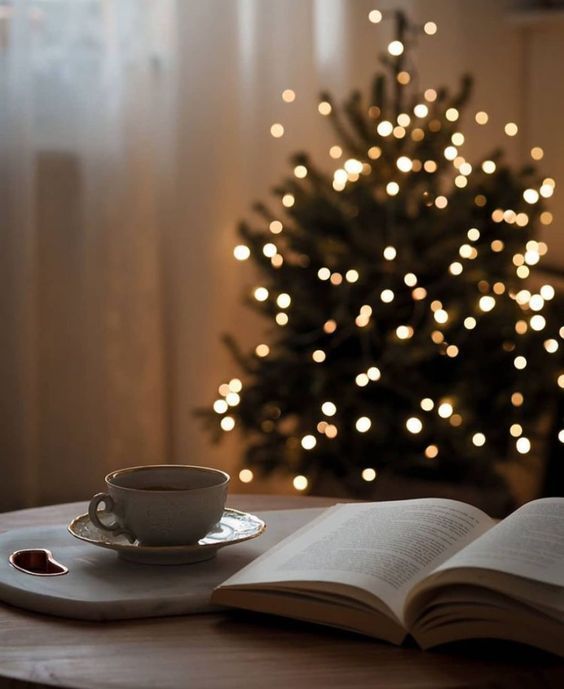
439,570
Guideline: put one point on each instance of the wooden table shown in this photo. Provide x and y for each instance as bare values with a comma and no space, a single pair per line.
230,651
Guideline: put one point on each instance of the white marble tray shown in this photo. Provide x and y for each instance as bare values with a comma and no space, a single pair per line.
100,586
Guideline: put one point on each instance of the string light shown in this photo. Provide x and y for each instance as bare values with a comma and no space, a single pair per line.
537,322
319,356
427,404
537,153
363,424
281,319
452,114
536,302
261,294
246,476
262,350
419,293
277,130
220,406
283,300
486,303
410,279
430,95
414,425
481,117
431,451
441,316
392,188
308,442
330,326
547,292
329,408
362,380
288,200
385,128
445,410
227,423
324,273
389,253
511,129
368,474
288,96
430,28
331,431
520,362
469,323
275,227
551,346
479,439
324,108
523,445
232,399
373,373
404,332
241,252
404,164
437,336
351,275
300,171
374,152
421,110
269,250
531,195
300,482
395,48
375,16
387,296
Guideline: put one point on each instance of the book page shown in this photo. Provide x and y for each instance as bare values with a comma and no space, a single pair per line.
382,548
529,543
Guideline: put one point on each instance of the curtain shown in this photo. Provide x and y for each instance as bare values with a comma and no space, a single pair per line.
86,132
133,134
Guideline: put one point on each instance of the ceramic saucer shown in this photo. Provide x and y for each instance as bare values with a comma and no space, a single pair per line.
233,527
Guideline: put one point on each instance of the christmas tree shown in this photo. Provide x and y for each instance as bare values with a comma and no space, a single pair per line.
402,336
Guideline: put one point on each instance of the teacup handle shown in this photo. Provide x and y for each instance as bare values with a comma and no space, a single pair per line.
114,527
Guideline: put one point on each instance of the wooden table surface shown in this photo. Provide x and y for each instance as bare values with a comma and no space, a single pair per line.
230,651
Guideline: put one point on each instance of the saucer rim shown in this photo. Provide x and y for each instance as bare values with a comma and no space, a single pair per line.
166,549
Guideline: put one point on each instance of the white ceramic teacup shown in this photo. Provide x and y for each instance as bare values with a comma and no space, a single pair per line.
161,504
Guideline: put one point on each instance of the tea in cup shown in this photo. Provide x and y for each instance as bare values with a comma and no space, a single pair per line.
161,504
